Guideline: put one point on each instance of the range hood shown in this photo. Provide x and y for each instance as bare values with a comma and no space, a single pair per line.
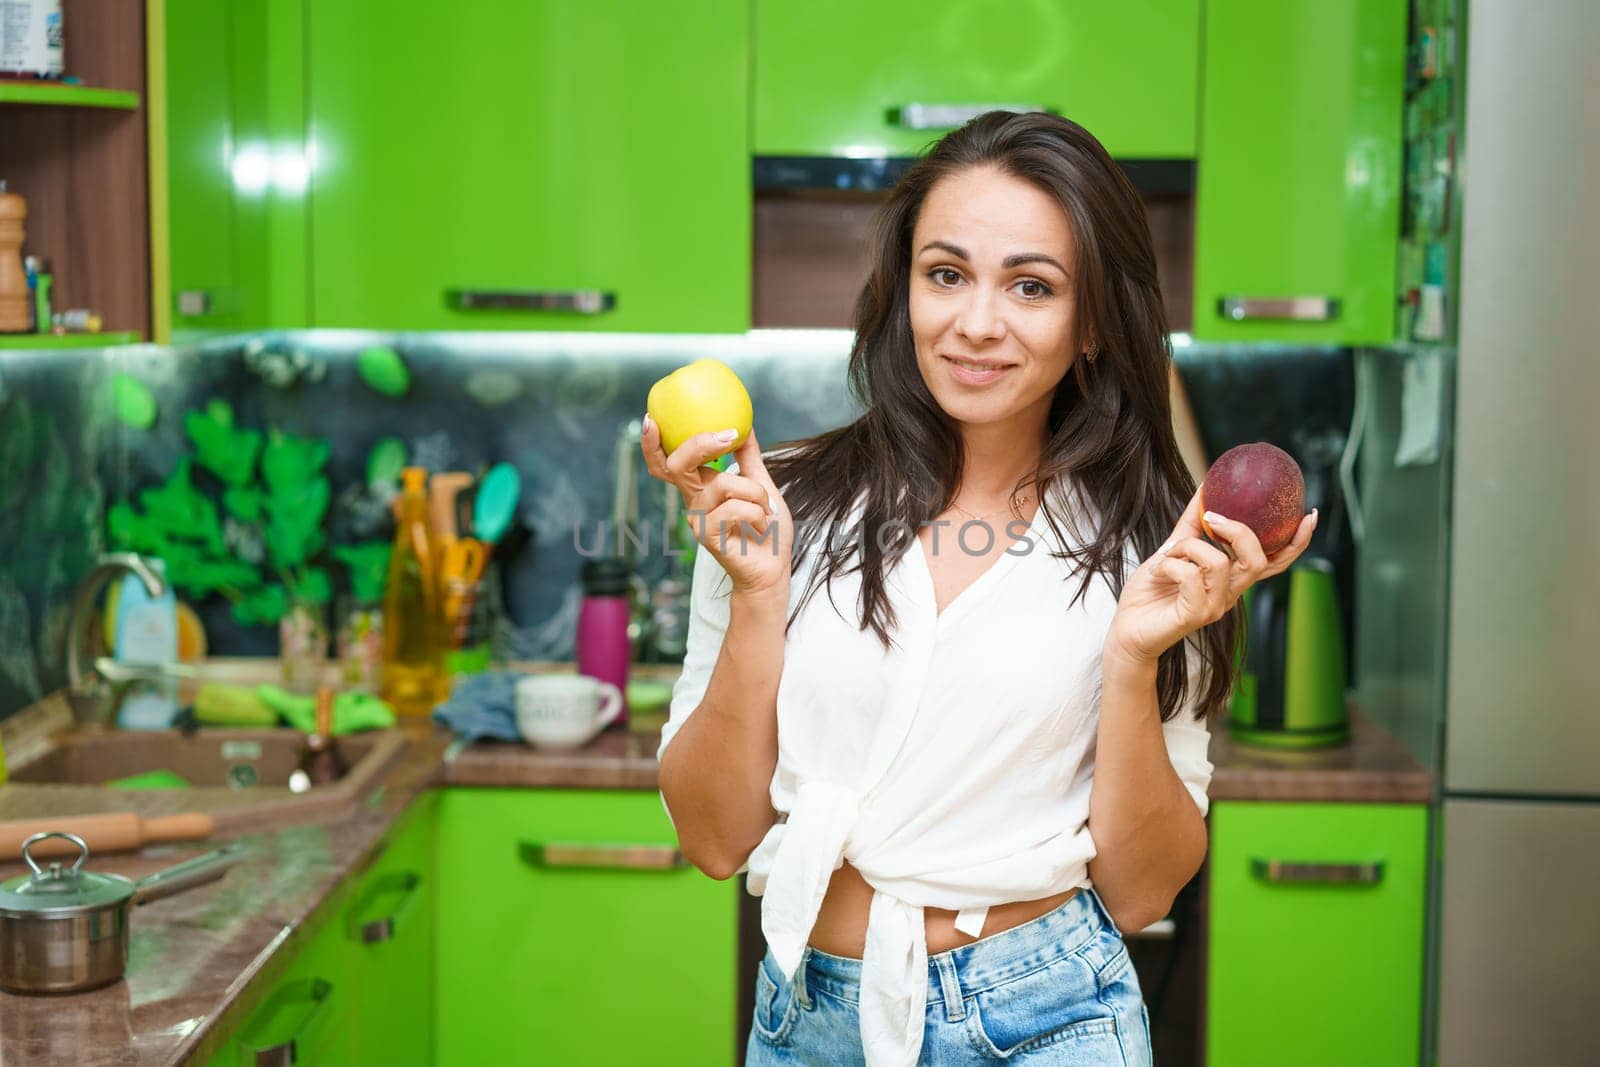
1152,177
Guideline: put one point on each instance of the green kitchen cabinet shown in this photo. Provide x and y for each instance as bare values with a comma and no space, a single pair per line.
843,78
1297,211
570,932
532,164
203,244
237,165
389,930
361,991
1315,944
307,1017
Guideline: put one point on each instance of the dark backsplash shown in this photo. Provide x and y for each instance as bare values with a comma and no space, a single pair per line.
551,405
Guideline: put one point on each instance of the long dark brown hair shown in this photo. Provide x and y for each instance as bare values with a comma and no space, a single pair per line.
1109,430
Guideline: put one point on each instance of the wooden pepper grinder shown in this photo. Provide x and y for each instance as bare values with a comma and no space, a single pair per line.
13,282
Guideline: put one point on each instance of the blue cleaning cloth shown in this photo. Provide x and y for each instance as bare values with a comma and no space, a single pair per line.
482,705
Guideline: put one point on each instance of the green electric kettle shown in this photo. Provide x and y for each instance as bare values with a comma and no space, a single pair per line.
1291,687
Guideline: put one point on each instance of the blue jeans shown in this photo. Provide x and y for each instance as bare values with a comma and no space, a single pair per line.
1058,989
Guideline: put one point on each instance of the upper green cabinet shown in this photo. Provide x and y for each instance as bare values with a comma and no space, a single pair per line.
532,164
1298,201
844,78
203,248
237,165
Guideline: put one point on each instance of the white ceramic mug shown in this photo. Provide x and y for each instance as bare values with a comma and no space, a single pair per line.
565,710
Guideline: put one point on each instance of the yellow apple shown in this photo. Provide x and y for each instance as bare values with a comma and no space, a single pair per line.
703,396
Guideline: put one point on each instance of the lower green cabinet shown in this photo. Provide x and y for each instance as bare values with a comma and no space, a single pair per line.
571,932
306,1018
1315,945
390,932
512,926
361,991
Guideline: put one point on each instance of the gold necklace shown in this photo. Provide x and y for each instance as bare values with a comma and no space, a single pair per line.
980,518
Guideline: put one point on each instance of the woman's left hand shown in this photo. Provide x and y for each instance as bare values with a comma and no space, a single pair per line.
1190,583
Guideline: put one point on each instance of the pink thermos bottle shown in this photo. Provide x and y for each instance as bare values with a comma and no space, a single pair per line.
604,650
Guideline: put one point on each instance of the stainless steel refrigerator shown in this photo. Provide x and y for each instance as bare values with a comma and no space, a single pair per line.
1478,583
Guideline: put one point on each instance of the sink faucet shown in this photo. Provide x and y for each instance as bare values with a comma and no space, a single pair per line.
95,691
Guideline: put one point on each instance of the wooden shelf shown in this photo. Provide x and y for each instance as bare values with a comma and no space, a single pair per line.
35,341
77,154
55,94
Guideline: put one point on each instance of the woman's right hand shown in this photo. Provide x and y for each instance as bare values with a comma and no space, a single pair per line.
740,519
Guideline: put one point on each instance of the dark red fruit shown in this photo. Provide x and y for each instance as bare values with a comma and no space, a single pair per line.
1261,486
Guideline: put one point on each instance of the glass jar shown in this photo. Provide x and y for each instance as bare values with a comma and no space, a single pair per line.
303,645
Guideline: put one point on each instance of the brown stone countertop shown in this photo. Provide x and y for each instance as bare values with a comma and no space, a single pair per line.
1371,767
194,956
617,759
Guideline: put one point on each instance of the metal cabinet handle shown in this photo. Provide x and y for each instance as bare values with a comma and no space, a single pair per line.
405,882
1279,309
949,116
194,302
631,857
287,1053
581,301
1281,871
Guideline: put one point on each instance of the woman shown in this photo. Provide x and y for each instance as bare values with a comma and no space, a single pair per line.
979,755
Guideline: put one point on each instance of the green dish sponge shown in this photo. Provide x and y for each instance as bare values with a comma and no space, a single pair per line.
150,780
353,711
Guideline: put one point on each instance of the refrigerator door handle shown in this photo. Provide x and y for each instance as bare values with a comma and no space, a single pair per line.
1352,448
1285,871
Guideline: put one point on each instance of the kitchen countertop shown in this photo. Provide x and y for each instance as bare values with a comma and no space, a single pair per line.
1372,768
195,957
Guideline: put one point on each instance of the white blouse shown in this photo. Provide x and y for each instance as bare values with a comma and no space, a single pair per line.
953,771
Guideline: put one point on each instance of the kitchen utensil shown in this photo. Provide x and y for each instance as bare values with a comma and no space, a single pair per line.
460,575
1291,691
111,832
464,560
565,711
321,759
495,504
62,931
442,490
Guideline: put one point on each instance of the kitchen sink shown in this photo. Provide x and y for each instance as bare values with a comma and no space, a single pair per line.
260,761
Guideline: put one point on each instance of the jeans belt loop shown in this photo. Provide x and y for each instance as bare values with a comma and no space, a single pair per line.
802,991
955,1006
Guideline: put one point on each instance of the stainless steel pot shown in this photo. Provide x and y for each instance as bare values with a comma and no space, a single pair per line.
66,930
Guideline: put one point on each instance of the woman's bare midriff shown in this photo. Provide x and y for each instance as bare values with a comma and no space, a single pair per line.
841,927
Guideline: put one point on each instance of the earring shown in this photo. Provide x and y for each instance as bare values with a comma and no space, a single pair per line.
1093,350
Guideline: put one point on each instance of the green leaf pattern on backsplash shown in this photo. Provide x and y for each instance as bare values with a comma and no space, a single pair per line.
369,568
273,490
227,452
50,524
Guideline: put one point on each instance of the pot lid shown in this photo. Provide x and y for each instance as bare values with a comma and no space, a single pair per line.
55,891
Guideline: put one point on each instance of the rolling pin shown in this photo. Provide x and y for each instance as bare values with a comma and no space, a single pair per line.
113,832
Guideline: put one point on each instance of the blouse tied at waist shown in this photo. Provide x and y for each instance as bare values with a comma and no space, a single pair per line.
804,851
